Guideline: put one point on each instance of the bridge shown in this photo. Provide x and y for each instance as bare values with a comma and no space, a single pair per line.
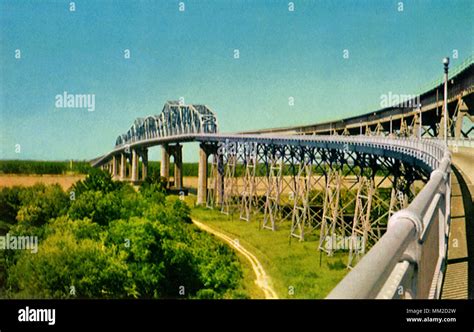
382,182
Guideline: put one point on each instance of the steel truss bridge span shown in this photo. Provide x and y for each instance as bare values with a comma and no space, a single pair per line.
176,118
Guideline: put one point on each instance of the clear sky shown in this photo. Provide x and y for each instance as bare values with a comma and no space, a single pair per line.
190,54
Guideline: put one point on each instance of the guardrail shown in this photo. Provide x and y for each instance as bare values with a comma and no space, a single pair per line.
461,142
452,73
429,152
410,259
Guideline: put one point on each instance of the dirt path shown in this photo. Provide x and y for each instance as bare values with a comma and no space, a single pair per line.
262,280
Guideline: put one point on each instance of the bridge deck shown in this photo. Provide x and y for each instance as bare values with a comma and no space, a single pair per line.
459,280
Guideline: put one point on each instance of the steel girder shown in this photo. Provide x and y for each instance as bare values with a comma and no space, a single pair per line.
340,192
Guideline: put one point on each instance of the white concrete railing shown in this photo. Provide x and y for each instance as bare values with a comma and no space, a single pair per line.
461,142
429,151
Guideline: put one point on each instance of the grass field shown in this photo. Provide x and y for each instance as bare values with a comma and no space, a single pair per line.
43,167
297,269
27,180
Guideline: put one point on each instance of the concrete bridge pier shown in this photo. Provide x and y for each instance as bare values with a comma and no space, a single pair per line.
134,174
144,156
202,176
122,167
165,163
177,152
128,166
119,164
178,167
114,167
205,150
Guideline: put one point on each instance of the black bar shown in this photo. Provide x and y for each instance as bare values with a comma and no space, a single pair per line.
196,315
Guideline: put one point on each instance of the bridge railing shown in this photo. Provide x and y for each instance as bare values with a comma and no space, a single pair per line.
452,73
429,151
461,142
409,260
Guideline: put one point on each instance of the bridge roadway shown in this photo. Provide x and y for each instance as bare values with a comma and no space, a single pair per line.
459,278
406,149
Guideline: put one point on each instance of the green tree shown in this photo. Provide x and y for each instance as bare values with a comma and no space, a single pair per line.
96,180
98,206
10,203
112,241
138,242
39,204
69,266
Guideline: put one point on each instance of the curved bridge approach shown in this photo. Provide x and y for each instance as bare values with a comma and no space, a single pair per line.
378,185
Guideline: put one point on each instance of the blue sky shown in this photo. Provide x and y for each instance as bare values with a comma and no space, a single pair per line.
190,54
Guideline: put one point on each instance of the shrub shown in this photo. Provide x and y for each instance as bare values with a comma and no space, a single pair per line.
112,241
40,203
64,261
99,207
96,180
9,203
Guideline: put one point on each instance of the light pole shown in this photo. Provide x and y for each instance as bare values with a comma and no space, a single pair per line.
446,66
